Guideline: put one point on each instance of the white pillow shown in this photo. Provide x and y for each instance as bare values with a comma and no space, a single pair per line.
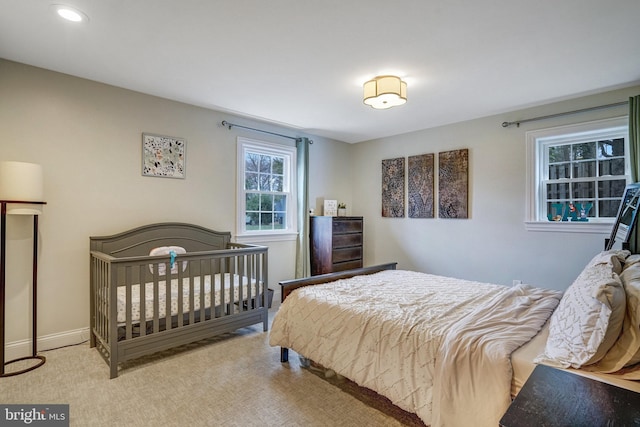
590,314
166,250
626,350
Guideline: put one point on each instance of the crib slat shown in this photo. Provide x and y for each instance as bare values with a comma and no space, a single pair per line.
191,295
220,289
180,298
100,286
167,297
229,289
214,273
143,302
201,292
104,289
252,298
156,302
128,283
241,272
97,297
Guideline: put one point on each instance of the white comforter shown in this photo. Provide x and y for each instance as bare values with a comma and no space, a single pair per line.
436,346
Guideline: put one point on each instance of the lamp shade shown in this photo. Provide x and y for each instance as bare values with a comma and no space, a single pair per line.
23,182
385,92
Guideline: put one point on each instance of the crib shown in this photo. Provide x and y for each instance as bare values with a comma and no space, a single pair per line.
195,284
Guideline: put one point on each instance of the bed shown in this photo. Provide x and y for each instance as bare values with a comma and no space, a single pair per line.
453,351
163,285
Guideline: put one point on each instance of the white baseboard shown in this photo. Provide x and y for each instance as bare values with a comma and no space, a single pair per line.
16,349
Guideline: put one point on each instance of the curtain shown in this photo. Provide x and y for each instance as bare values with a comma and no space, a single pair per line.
634,154
302,247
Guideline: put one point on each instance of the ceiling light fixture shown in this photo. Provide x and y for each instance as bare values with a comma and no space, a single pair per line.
70,13
385,92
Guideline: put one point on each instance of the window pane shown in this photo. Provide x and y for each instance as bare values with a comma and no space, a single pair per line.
279,220
251,181
277,184
266,219
252,202
584,190
614,188
558,191
265,164
265,182
583,151
611,167
608,208
611,148
584,169
251,162
266,202
251,220
280,203
278,165
559,171
559,153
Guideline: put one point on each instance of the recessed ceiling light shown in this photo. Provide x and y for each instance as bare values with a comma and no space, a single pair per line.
70,13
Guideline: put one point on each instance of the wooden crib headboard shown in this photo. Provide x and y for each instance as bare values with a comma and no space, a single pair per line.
139,241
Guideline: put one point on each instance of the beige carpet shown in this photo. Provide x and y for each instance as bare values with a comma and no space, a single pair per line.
234,380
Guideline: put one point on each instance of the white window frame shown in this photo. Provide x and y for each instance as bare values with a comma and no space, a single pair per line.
289,232
536,139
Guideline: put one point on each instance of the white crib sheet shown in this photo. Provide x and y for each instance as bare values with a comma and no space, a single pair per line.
230,281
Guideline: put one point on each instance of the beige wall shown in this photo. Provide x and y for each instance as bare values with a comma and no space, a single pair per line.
492,245
88,138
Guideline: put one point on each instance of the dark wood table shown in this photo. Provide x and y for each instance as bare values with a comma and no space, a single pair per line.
553,397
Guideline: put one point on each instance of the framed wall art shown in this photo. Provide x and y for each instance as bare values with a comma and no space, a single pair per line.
163,156
393,188
453,184
420,186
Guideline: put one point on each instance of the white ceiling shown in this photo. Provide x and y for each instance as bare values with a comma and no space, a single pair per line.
302,63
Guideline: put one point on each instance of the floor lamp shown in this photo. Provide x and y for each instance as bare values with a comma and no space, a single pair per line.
21,193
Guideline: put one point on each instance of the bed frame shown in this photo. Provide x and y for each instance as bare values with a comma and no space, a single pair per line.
122,260
289,286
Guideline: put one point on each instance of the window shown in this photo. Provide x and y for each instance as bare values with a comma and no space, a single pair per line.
266,188
577,174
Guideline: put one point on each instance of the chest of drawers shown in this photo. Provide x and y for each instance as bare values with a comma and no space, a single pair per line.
335,243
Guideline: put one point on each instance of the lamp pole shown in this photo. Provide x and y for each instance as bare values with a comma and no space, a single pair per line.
34,317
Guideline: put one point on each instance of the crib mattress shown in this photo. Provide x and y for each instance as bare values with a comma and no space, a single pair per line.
232,285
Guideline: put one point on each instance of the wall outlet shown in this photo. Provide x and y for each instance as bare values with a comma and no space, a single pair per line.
516,282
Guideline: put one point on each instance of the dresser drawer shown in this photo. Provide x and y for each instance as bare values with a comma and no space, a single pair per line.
346,225
346,254
348,265
343,240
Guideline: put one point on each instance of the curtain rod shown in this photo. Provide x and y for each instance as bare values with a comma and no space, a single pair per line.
550,116
230,125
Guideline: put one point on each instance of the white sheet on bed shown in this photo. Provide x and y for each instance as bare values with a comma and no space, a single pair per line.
230,282
523,365
388,332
